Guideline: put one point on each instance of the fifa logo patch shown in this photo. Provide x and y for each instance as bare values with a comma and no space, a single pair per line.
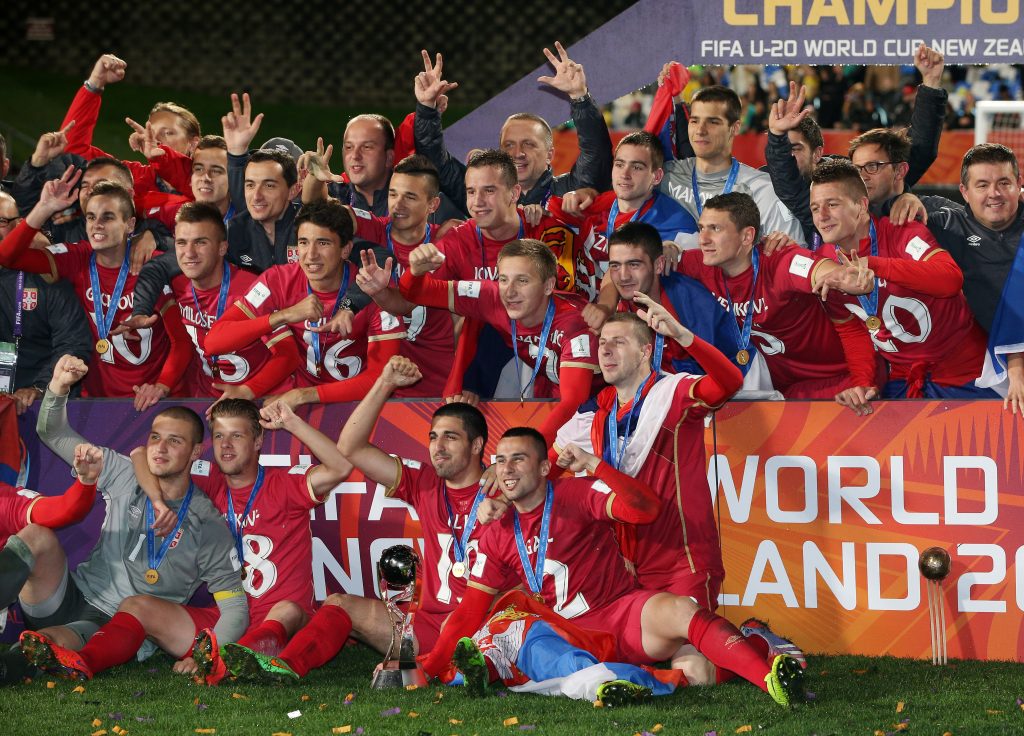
30,299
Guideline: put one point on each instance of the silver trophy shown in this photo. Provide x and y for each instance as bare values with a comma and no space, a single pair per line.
396,575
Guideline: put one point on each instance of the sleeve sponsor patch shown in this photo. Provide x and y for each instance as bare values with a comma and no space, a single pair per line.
258,294
469,289
362,213
917,247
26,493
580,346
801,266
299,469
414,464
57,248
201,467
388,321
479,564
600,486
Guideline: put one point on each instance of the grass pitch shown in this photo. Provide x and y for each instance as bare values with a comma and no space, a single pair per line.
851,695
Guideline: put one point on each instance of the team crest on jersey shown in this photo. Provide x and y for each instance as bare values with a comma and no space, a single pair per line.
30,299
510,614
292,254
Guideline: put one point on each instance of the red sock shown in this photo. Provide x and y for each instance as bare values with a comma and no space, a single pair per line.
727,648
269,637
759,643
319,641
115,643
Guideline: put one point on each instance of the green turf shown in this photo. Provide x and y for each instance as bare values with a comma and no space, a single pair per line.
852,695
35,102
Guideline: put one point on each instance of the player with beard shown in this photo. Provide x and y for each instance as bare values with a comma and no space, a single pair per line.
444,494
304,296
147,364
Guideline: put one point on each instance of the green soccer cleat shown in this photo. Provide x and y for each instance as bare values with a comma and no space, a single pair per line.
52,658
786,681
250,665
619,693
469,660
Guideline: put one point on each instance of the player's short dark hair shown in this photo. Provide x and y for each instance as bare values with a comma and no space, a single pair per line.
641,235
241,408
641,329
212,141
549,139
742,210
894,141
834,170
330,214
472,419
536,251
811,131
285,160
385,125
110,188
196,212
718,93
184,414
421,167
539,443
123,171
498,159
645,140
188,119
988,153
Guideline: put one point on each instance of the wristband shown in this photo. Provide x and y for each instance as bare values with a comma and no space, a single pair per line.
577,100
92,88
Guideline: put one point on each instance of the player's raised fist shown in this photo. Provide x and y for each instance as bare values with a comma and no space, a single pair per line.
108,69
400,372
277,415
88,463
310,309
425,259
575,459
68,371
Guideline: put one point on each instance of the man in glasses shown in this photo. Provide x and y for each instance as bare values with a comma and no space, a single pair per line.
880,156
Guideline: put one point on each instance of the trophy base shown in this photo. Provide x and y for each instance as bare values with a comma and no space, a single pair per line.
394,674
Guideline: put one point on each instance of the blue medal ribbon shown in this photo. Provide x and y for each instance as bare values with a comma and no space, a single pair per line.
237,526
613,453
222,302
480,239
869,301
730,182
743,336
535,575
549,317
105,321
230,213
391,243
659,350
157,557
314,337
613,214
461,545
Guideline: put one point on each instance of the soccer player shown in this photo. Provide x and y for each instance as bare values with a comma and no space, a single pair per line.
713,125
545,329
303,296
527,138
149,367
558,540
135,583
205,285
917,316
776,311
208,179
443,493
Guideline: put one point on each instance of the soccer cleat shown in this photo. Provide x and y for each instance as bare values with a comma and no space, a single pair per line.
619,693
207,656
251,665
469,660
52,658
776,644
786,681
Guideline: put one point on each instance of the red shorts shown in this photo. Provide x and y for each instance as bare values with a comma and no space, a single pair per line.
621,619
203,618
702,586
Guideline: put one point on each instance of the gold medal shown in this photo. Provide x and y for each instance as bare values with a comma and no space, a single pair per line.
152,576
873,322
102,346
743,357
459,569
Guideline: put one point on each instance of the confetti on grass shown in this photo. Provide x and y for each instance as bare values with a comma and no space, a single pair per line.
745,729
239,696
899,706
295,714
79,690
348,699
342,729
50,685
390,712
96,722
513,721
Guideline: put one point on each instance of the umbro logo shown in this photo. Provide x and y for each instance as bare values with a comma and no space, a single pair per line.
974,240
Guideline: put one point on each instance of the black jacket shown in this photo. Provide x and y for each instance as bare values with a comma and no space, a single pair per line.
592,168
925,131
55,326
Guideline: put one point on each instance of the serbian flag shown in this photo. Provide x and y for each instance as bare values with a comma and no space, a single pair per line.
1007,334
662,119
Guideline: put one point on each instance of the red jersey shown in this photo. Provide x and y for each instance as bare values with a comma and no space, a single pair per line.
199,316
570,343
470,255
429,332
672,350
665,450
128,362
340,358
420,487
276,538
790,327
918,330
15,505
583,569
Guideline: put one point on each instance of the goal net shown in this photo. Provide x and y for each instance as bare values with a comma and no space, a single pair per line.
1000,122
